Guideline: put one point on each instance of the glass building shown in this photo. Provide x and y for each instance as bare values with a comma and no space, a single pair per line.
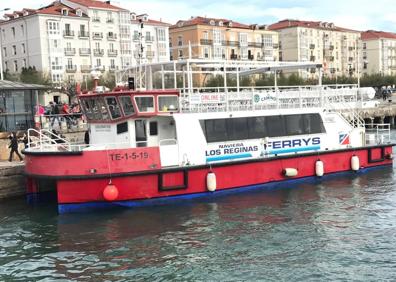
18,103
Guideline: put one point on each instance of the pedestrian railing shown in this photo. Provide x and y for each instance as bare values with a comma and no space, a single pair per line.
61,122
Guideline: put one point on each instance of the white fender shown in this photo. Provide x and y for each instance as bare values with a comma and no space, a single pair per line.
211,184
355,163
290,172
319,168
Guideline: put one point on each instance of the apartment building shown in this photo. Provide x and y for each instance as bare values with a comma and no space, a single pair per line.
379,52
70,38
335,47
150,40
210,38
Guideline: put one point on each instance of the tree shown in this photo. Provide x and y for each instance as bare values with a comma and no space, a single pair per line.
31,75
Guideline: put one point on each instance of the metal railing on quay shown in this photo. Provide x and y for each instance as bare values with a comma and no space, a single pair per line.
61,122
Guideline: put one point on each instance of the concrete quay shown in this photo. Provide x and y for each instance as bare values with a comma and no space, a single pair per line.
12,180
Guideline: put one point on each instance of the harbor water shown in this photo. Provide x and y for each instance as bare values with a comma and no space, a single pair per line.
339,228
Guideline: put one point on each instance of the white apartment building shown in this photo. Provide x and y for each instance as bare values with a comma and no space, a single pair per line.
379,52
336,48
68,39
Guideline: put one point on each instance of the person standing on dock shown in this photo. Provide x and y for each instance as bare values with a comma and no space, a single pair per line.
14,147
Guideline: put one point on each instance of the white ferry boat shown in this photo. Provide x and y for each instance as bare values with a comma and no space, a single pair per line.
151,145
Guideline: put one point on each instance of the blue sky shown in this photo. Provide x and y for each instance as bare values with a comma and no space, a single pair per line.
354,14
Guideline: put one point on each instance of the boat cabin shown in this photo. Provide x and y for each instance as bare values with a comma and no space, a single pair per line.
125,119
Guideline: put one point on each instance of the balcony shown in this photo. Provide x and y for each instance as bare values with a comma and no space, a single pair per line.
96,19
71,68
234,57
149,38
136,38
150,54
331,59
112,53
275,46
84,51
109,20
97,35
86,68
83,34
331,47
111,36
68,33
255,44
233,43
56,67
206,42
350,59
70,51
312,58
98,52
311,46
113,68
251,57
350,48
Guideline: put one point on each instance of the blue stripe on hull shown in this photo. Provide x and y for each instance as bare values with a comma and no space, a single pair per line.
229,157
294,150
82,207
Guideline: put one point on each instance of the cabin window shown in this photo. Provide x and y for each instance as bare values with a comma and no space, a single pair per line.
145,104
122,127
313,124
257,128
275,126
153,128
114,108
220,130
167,103
216,130
295,124
237,129
86,105
126,105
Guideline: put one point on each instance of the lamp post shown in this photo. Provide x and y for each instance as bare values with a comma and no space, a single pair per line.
1,55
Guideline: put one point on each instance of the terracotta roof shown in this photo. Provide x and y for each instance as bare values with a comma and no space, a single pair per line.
206,21
96,4
56,9
53,9
308,24
373,34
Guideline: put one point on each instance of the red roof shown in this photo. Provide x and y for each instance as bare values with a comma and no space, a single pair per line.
96,4
308,24
53,9
206,21
373,34
56,9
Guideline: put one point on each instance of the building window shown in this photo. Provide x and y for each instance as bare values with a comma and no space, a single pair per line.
112,63
13,31
180,41
5,51
14,50
111,46
98,62
216,36
23,48
162,49
206,53
161,34
16,66
53,27
24,63
22,30
180,53
4,34
205,35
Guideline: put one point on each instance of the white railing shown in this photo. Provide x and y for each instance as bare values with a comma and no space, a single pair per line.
45,140
378,133
221,99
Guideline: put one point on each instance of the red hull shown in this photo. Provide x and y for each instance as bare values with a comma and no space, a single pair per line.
80,185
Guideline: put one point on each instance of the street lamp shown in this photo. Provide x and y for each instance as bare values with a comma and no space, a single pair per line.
1,55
